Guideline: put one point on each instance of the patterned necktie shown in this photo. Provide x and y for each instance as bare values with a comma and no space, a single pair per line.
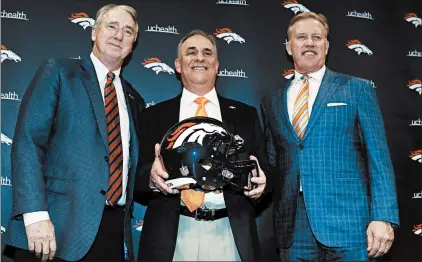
115,161
194,199
300,111
201,102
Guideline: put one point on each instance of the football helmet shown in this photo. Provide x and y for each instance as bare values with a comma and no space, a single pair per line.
196,152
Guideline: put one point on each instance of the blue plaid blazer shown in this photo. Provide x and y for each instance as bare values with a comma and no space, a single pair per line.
343,163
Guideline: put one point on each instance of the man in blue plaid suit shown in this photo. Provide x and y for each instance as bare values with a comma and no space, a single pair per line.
336,199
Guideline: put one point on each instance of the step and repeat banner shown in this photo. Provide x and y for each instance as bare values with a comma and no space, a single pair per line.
378,40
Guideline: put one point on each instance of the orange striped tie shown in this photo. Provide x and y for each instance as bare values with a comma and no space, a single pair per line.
115,161
300,111
194,199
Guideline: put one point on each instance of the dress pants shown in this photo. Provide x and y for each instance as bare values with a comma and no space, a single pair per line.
205,241
108,244
305,246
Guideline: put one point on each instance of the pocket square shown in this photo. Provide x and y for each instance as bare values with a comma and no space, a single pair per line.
336,104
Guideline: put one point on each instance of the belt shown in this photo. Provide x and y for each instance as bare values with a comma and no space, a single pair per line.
204,214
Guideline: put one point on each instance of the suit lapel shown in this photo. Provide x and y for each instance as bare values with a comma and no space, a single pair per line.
228,112
284,112
94,92
327,89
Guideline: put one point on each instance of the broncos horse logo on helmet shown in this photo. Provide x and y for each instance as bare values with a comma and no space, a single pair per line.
198,149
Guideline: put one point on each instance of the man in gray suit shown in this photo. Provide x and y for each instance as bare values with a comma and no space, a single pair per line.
336,199
76,150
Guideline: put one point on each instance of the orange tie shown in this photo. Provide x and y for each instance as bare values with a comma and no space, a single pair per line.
300,111
201,101
194,199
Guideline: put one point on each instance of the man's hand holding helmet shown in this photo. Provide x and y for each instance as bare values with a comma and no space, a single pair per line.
258,179
158,175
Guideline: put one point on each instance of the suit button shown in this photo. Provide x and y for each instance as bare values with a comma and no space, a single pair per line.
301,146
106,158
103,192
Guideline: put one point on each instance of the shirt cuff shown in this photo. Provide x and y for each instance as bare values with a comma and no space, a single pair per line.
34,217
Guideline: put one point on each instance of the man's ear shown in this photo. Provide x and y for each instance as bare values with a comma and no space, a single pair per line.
288,48
177,65
94,34
328,46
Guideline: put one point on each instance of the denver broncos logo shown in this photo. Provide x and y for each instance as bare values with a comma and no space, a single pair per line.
358,47
82,19
157,66
138,225
228,35
192,132
6,140
415,85
289,73
413,18
7,54
3,229
295,6
416,155
417,230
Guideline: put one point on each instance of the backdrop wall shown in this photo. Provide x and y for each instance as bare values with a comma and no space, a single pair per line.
379,40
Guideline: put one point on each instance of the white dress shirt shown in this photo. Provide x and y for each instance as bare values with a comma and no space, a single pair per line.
188,109
204,240
315,80
101,71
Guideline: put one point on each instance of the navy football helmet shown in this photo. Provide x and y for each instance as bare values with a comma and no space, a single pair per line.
196,151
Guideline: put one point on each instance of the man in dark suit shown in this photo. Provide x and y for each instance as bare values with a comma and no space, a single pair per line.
75,152
336,197
170,230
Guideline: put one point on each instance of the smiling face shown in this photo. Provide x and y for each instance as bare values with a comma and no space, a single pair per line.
114,37
197,64
308,45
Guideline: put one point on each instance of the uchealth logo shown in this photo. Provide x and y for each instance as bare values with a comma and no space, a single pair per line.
415,85
417,122
415,53
413,18
416,155
233,73
157,66
20,15
82,19
417,230
138,225
232,2
417,195
6,140
358,47
228,35
288,74
171,29
10,96
295,6
9,55
5,181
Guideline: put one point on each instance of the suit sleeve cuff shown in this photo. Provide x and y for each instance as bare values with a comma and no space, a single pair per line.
34,217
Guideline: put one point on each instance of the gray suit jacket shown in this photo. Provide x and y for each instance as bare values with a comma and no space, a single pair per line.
59,156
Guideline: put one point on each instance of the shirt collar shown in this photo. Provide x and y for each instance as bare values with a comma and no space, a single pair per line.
318,75
102,70
188,97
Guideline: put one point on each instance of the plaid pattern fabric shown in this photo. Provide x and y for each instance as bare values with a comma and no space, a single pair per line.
343,163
